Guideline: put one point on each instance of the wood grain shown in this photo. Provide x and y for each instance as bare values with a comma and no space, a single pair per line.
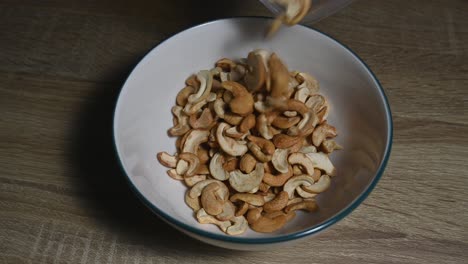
64,200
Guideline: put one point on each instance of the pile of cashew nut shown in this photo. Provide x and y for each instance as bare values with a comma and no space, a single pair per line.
253,143
294,12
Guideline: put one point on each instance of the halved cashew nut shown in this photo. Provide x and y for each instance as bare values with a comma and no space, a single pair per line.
193,163
206,81
308,205
279,76
302,94
194,139
205,120
166,159
307,81
278,203
240,226
204,218
216,167
323,132
303,160
246,182
280,160
323,183
300,190
197,189
263,127
213,198
174,175
330,145
256,75
193,203
321,161
191,181
228,211
296,181
229,145
308,149
182,122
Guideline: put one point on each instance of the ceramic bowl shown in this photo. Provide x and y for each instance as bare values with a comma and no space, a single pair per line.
359,110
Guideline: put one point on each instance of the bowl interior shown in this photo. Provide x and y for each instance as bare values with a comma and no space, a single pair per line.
358,110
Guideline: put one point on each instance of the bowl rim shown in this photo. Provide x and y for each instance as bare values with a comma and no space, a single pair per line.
280,238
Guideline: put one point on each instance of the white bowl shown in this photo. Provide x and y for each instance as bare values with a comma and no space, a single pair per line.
359,110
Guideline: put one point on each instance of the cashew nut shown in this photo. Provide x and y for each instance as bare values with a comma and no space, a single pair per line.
302,94
182,96
250,198
247,163
166,159
202,169
174,175
197,189
206,80
323,132
277,180
247,123
182,122
321,161
225,64
204,218
263,127
191,181
227,212
256,75
279,77
193,203
308,205
291,185
280,160
246,182
229,145
194,139
323,183
239,226
283,141
231,164
304,194
285,122
205,121
330,145
303,160
193,163
216,167
242,209
242,103
263,224
308,149
212,199
307,81
278,203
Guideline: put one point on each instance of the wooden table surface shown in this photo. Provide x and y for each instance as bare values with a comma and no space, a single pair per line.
63,198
